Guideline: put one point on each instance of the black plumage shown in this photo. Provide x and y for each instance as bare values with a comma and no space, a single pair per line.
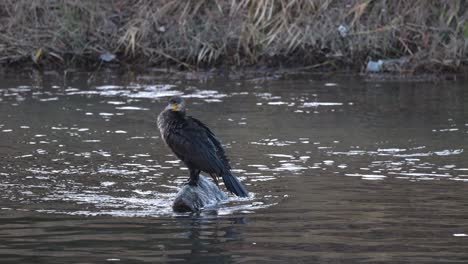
197,146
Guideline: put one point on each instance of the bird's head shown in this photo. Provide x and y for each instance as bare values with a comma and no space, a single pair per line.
176,104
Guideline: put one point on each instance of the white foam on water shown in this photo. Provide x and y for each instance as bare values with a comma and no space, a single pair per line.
116,102
280,156
366,176
107,183
108,87
314,104
130,91
289,167
277,103
132,108
418,174
117,171
202,94
391,150
49,99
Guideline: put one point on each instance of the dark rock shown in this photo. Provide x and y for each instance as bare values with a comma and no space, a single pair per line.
194,198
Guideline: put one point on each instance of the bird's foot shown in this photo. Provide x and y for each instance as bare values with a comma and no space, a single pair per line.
191,183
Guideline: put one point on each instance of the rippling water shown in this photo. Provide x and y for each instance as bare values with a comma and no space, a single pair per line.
341,170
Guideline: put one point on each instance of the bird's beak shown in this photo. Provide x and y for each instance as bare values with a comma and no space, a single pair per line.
173,107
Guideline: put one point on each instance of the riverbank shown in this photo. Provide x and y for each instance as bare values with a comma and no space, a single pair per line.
431,36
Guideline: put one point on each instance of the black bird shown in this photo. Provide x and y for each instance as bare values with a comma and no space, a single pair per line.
195,144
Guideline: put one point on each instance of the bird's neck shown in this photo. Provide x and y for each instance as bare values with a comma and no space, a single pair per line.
173,116
168,119
177,114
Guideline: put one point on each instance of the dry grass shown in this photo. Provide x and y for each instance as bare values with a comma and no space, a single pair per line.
199,33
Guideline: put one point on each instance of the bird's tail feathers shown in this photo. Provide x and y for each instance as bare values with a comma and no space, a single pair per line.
234,185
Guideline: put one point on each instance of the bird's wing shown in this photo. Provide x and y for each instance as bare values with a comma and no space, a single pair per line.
230,181
214,140
193,145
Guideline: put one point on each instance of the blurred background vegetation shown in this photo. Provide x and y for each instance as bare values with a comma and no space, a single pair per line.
431,35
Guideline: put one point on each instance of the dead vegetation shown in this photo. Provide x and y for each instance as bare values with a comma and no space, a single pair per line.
209,33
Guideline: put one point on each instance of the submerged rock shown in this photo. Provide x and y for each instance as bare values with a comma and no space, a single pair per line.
194,198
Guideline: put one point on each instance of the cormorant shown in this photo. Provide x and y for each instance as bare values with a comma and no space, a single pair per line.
197,146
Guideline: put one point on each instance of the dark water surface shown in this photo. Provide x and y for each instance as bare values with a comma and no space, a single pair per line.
341,170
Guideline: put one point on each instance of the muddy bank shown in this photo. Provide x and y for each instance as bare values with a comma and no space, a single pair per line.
431,36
